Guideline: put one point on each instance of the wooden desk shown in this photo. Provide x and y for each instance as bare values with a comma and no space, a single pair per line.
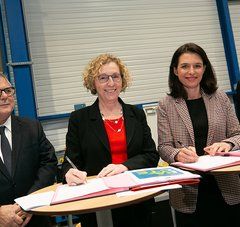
97,204
231,169
227,170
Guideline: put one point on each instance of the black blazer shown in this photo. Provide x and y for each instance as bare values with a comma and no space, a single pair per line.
87,143
34,162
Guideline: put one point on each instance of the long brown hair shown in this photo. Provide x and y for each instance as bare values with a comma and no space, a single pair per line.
208,83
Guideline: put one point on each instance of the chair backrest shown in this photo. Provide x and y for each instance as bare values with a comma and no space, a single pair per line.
79,106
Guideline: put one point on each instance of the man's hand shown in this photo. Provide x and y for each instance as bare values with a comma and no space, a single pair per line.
9,216
26,217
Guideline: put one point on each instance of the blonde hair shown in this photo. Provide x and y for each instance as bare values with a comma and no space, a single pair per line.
5,77
92,71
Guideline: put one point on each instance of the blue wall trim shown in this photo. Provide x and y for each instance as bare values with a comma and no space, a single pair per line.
67,115
228,41
19,53
3,46
54,117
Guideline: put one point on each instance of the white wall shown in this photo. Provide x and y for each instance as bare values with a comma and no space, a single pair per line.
65,35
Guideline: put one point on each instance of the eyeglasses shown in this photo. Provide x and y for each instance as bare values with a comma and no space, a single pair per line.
104,78
9,91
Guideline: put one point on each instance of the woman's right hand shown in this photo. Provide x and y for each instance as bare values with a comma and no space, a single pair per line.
75,177
187,155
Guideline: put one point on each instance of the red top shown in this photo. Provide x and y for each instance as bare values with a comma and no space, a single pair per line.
117,139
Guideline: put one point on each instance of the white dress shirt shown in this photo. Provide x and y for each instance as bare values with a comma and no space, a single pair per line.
8,133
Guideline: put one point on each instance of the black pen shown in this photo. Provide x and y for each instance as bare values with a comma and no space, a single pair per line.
74,167
181,144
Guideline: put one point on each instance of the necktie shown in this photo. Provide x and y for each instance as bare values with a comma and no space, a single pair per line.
6,150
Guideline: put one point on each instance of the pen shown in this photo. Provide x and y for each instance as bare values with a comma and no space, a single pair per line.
181,144
72,164
185,146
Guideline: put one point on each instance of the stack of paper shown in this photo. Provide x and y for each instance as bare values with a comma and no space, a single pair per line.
93,188
35,200
151,177
207,162
130,180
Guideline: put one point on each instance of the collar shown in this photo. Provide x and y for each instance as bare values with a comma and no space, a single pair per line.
8,124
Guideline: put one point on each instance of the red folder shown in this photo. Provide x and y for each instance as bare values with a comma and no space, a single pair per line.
231,153
181,182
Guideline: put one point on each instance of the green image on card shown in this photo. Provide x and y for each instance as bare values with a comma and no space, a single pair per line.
161,172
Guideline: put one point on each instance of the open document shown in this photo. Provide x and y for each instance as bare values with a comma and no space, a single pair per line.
93,188
35,200
151,177
207,162
135,180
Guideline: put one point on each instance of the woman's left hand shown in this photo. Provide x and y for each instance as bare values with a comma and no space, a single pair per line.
112,169
218,147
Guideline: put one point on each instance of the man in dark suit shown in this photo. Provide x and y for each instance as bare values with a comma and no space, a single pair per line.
33,163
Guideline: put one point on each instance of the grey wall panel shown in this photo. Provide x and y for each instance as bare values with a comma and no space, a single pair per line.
65,35
234,8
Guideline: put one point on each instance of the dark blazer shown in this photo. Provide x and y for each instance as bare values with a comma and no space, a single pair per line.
174,124
34,163
87,142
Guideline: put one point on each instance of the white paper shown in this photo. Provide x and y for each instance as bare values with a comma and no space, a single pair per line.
207,162
35,200
65,192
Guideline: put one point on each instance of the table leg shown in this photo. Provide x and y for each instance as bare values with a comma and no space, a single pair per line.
69,219
104,218
173,217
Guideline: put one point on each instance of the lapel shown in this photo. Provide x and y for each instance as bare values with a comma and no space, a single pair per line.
16,137
182,110
97,125
129,121
210,108
16,141
4,170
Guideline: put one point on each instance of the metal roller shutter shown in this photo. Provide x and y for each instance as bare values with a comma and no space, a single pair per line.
65,35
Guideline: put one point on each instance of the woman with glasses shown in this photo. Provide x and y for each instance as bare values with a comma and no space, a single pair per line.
193,120
109,137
